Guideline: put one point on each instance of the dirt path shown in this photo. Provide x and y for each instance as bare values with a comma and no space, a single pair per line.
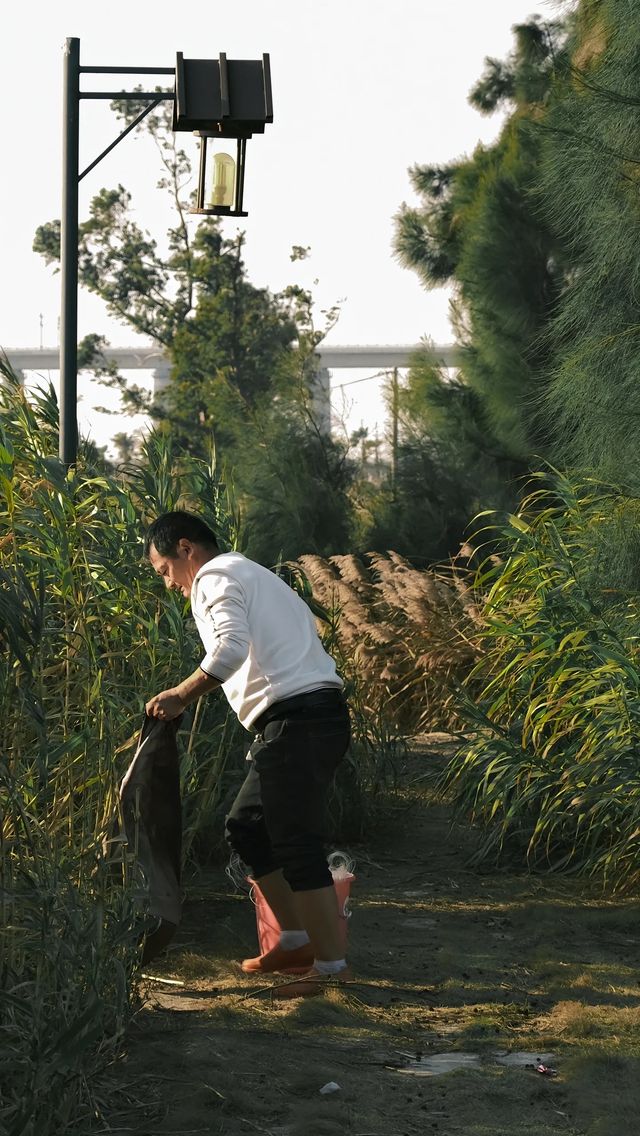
449,960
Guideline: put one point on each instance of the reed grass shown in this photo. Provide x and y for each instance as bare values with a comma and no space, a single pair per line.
87,636
551,766
403,638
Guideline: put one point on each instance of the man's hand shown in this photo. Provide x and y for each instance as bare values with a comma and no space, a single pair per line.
170,703
166,705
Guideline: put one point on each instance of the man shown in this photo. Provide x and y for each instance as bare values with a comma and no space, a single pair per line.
262,647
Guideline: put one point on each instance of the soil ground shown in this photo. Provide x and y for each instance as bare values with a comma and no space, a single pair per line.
448,960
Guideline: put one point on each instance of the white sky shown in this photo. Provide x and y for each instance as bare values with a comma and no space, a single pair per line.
362,90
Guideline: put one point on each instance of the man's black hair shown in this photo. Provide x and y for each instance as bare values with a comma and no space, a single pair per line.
169,528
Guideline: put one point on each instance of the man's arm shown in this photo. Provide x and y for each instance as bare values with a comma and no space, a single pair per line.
222,602
170,703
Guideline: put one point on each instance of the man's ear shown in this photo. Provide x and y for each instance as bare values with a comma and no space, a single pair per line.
185,547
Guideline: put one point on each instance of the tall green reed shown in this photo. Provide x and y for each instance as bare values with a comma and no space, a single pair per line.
87,636
552,709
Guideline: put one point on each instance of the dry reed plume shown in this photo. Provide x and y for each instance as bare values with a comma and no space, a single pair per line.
404,636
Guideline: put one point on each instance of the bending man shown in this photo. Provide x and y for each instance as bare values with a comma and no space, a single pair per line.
262,647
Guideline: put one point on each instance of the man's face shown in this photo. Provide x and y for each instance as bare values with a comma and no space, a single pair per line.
179,571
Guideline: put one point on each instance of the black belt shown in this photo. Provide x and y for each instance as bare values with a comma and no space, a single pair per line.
312,699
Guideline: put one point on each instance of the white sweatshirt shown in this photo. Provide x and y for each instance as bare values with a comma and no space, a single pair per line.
260,638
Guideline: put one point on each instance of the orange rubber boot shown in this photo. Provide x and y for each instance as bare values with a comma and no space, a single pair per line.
296,961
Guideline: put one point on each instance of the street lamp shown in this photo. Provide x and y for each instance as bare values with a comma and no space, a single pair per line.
221,100
217,99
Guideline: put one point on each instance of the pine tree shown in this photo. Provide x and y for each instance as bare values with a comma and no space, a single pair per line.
591,179
481,229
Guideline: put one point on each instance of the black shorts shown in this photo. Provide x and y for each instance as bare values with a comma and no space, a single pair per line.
278,819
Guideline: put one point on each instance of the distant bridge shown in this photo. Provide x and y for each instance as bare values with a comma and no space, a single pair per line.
331,358
384,357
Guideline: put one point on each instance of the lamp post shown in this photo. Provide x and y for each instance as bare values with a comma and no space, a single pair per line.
69,253
216,99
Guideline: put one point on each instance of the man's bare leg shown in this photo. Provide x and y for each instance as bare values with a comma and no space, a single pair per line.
281,900
319,915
